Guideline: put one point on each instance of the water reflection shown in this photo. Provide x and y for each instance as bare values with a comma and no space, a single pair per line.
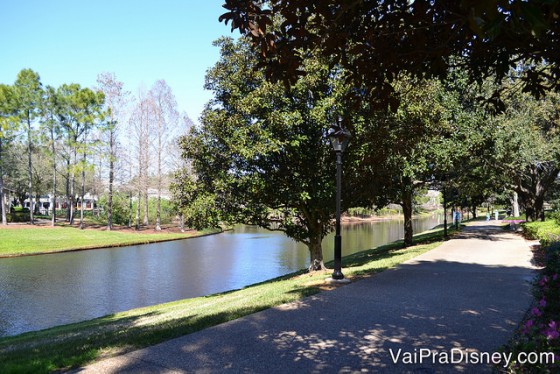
48,290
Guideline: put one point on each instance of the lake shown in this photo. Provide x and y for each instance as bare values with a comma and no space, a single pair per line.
42,291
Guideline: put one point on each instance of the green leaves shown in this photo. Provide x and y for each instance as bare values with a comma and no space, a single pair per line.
8,119
28,92
261,148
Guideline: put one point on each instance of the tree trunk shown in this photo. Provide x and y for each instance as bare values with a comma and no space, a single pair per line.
444,213
146,208
158,213
2,202
53,218
138,210
407,212
158,218
182,222
73,188
111,179
316,254
515,204
30,170
37,204
83,189
539,210
140,181
2,198
130,209
68,212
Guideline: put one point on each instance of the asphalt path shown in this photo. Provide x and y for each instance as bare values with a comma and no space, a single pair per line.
446,311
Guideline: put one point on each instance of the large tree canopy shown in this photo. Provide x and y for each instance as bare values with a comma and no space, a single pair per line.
528,148
261,156
377,40
418,142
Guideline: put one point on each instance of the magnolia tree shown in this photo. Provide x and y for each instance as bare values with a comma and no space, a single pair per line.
261,155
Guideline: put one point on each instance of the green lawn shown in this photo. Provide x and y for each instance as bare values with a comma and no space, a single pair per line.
77,344
32,240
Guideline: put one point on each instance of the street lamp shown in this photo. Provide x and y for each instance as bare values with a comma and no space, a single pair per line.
339,138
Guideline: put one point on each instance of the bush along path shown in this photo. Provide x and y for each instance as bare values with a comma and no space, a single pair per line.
537,341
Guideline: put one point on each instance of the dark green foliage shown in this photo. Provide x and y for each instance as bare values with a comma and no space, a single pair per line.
263,149
121,209
527,148
379,41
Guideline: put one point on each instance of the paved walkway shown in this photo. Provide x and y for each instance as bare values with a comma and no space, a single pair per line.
453,303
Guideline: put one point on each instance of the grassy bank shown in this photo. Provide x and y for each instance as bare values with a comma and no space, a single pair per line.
77,344
26,240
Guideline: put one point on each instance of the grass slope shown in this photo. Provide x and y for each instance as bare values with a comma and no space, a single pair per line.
34,240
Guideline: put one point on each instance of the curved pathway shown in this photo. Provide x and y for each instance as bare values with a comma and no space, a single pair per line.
448,310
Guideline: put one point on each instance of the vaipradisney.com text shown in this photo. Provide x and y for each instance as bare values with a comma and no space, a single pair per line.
461,356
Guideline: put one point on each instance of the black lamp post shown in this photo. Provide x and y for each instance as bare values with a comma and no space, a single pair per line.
339,137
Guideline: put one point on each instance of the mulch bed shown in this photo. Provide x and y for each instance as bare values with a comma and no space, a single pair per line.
150,229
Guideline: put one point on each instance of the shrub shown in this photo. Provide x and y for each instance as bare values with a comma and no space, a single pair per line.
540,330
19,216
361,212
555,215
547,232
121,209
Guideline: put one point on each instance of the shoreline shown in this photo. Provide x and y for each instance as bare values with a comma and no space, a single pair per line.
200,235
392,217
148,236
154,235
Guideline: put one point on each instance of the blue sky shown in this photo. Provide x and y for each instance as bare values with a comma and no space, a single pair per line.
140,41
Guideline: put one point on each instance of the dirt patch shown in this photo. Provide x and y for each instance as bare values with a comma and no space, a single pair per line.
347,219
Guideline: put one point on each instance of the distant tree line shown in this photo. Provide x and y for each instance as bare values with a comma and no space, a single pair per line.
69,141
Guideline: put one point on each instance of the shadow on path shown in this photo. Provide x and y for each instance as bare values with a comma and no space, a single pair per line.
426,316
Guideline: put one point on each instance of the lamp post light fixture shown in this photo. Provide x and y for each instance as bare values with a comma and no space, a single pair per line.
339,138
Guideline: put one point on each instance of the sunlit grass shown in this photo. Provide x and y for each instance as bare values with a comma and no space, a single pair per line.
33,240
77,344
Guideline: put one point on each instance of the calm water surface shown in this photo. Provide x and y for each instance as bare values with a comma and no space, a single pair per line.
38,292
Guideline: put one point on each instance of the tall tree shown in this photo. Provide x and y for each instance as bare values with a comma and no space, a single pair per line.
471,177
28,94
139,123
91,104
52,118
416,140
166,117
115,100
183,184
263,150
72,132
528,149
8,126
82,111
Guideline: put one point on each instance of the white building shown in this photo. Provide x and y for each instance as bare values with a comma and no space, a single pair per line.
46,202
